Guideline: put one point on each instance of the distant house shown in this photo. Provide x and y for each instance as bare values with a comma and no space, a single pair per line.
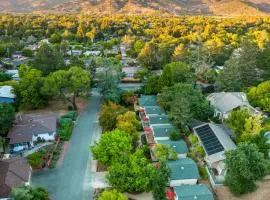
184,171
74,52
29,128
92,53
179,146
6,94
150,111
130,71
215,140
13,172
193,192
225,102
14,74
267,136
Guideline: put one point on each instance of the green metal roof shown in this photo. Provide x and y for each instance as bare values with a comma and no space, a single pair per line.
163,130
180,146
159,119
147,100
183,168
153,110
193,192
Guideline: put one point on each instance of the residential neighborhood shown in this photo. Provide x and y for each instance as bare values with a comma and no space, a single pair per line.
134,107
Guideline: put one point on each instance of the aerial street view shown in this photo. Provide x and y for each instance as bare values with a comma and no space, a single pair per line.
135,100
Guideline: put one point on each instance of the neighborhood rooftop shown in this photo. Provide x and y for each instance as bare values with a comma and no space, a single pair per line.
163,130
147,100
13,172
183,168
214,138
159,119
153,110
179,146
227,101
28,125
6,92
193,192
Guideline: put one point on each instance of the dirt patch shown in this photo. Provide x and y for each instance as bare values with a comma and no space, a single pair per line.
101,167
60,107
62,154
262,193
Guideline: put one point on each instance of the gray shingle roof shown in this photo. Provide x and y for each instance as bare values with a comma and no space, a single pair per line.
183,168
227,101
30,124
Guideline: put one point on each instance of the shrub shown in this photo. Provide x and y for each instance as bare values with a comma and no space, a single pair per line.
65,128
203,173
175,136
35,159
71,115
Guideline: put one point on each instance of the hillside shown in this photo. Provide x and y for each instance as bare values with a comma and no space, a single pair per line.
179,7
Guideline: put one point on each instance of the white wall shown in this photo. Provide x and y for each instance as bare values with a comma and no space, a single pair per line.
45,136
174,183
182,155
161,138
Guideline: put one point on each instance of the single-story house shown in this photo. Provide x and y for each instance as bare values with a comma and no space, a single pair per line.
162,132
225,102
14,74
215,140
147,100
13,172
74,52
184,171
150,111
179,146
91,53
130,71
193,192
155,120
6,94
30,128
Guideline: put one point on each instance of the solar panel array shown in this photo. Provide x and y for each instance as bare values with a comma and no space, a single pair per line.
210,141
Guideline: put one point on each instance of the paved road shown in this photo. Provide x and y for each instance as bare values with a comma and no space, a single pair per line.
72,180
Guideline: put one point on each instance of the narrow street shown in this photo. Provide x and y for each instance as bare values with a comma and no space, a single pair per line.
72,180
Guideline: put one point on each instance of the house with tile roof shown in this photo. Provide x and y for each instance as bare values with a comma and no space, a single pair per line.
13,172
179,146
6,94
225,102
193,192
184,171
156,120
30,128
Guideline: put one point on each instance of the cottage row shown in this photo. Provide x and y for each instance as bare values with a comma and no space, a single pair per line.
185,174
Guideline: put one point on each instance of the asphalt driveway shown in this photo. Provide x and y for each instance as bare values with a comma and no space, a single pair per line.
72,180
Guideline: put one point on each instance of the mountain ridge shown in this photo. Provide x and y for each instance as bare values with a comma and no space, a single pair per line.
177,7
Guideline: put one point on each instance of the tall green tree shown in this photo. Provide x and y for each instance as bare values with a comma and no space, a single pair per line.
260,95
109,114
7,116
245,166
112,146
133,174
176,72
160,181
28,90
48,59
68,84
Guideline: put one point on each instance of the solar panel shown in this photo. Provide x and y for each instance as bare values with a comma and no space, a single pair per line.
210,141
